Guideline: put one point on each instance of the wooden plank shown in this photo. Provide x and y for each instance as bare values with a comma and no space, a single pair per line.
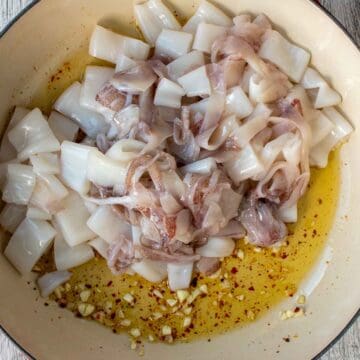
348,13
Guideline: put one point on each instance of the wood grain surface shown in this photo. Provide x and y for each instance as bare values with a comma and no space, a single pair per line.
348,13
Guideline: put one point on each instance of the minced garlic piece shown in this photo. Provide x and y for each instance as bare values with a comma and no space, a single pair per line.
182,295
120,314
166,330
204,289
193,296
125,322
240,297
215,275
250,315
129,298
86,309
163,308
301,300
84,295
151,338
157,315
187,310
133,345
241,254
187,322
58,293
171,302
288,314
67,287
108,306
175,309
169,339
135,332
158,294
257,249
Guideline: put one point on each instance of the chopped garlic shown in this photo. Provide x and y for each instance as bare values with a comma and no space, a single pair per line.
240,297
151,338
158,294
175,309
187,322
163,308
133,345
86,309
301,300
157,315
182,295
166,330
169,339
187,310
120,314
215,275
84,295
129,298
250,315
67,287
193,296
135,332
204,289
125,322
171,302
108,306
58,293
257,249
241,254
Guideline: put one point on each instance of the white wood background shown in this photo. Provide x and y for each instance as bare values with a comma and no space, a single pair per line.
348,12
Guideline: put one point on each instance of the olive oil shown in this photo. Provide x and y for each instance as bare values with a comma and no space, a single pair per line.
245,288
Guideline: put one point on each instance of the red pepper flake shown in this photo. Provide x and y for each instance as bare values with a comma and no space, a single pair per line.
109,283
286,339
251,288
284,256
320,201
234,270
297,309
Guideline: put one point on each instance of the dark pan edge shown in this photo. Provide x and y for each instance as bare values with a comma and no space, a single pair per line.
347,34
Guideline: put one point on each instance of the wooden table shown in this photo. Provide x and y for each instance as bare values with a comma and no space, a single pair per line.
348,12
